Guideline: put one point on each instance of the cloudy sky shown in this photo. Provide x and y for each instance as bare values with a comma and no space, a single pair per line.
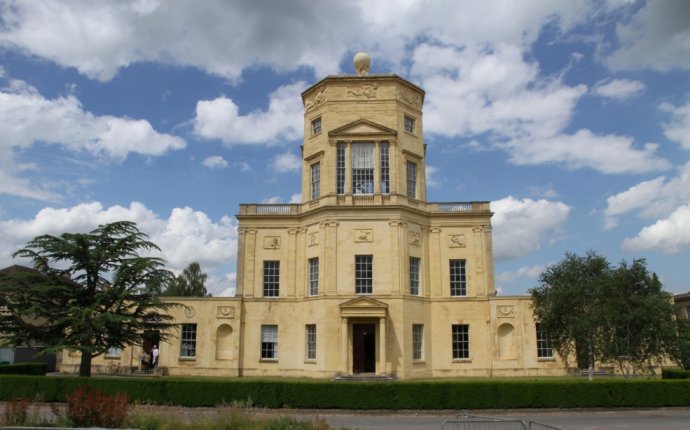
571,117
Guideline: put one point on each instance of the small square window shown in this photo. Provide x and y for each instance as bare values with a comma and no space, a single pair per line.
409,124
316,126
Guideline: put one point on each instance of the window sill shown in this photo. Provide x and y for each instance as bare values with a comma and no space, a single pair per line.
111,357
268,360
187,358
546,359
310,361
462,360
418,361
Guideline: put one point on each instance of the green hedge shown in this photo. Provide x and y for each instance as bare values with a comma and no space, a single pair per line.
24,369
358,395
675,374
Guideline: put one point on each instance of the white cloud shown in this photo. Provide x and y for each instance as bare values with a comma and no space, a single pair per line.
657,37
99,38
670,235
287,162
678,128
619,89
584,149
215,162
296,198
27,118
653,198
532,272
220,119
431,179
520,226
184,236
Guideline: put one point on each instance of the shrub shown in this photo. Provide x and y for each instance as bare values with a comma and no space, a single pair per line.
87,407
675,374
24,369
16,412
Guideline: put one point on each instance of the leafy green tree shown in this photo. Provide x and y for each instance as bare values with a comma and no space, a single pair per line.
598,313
89,292
565,304
190,283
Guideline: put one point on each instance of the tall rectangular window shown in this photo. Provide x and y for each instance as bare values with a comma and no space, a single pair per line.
411,180
269,342
544,343
313,276
310,340
340,168
417,341
458,278
364,274
414,276
271,278
315,180
409,124
461,341
385,169
113,351
362,168
188,341
316,126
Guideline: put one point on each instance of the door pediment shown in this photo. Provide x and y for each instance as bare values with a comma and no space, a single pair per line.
363,307
361,128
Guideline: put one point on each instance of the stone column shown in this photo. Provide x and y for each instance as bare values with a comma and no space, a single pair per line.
344,346
383,346
478,284
249,287
398,259
292,263
436,266
377,167
489,260
330,239
348,167
239,280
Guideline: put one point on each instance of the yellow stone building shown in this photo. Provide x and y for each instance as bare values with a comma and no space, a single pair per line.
364,276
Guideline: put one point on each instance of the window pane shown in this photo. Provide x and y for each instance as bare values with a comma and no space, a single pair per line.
461,341
385,169
316,126
364,274
340,168
315,180
188,341
458,279
411,180
417,341
363,168
310,336
409,124
414,275
313,276
271,278
269,341
544,343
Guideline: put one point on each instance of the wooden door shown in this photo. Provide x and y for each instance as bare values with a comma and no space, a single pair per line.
363,348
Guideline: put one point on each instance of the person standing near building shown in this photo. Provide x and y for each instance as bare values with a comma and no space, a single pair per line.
154,357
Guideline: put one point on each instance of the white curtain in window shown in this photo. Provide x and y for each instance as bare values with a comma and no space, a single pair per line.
363,156
269,333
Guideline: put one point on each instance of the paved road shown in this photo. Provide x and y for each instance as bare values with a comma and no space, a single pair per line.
652,419
628,419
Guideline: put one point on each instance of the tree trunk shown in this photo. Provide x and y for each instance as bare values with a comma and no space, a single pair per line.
85,365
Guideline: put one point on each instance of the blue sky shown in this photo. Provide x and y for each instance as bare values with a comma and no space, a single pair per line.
572,118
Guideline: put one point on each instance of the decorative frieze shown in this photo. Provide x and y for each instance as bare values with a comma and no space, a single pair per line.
415,238
457,241
313,239
364,235
272,242
411,98
505,311
316,101
189,311
226,312
366,91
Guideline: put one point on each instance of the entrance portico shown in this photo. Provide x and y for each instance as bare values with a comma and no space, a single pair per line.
363,336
